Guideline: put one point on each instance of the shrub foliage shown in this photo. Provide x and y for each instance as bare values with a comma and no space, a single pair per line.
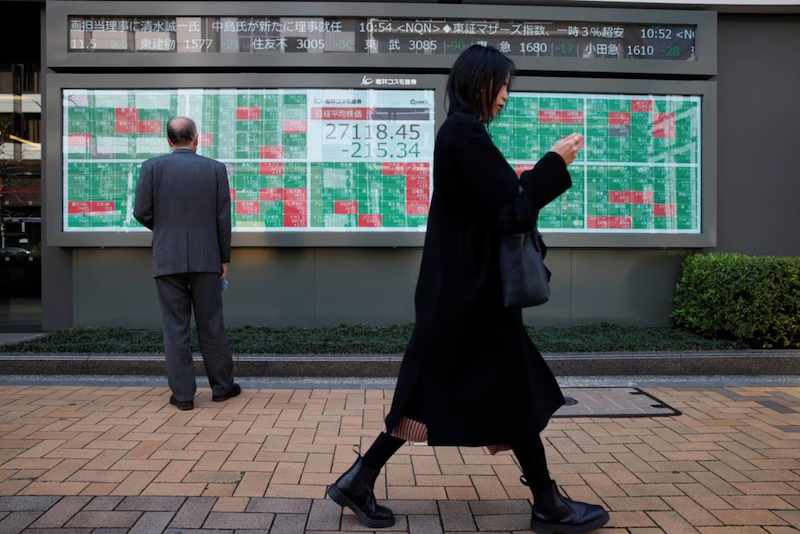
753,300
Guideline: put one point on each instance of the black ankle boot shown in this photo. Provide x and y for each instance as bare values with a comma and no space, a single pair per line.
552,512
354,489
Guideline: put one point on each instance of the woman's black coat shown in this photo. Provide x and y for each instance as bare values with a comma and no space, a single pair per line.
470,371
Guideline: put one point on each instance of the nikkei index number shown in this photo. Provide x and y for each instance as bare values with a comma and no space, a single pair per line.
376,139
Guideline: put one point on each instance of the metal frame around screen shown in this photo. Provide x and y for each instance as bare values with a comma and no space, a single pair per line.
58,57
311,238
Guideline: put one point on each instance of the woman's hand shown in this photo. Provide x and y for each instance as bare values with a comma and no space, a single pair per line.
568,147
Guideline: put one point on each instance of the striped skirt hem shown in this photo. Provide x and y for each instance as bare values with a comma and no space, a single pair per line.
410,430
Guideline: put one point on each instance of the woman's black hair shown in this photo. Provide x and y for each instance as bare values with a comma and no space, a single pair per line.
476,78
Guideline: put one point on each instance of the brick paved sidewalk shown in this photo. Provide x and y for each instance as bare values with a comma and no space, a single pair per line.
108,460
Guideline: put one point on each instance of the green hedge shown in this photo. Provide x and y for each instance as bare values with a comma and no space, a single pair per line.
362,339
754,300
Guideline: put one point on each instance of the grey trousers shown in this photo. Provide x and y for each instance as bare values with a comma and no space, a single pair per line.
179,294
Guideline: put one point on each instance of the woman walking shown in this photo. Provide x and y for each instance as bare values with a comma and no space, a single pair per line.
471,375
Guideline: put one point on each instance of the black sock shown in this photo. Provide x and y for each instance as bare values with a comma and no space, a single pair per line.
533,462
381,450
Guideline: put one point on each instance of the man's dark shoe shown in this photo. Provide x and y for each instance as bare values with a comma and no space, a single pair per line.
181,405
234,392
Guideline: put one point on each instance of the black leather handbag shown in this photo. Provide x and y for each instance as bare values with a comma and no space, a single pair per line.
525,279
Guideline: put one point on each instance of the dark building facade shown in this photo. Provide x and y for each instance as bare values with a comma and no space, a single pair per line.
687,110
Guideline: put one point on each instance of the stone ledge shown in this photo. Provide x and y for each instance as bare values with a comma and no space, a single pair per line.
371,366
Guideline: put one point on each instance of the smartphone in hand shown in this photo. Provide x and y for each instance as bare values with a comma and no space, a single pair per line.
224,283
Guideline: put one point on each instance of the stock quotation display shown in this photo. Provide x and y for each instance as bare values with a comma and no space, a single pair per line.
639,168
581,39
297,159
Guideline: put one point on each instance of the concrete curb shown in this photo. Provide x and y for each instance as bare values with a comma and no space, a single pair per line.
785,363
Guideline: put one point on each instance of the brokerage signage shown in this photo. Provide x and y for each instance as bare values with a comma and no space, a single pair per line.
297,159
584,39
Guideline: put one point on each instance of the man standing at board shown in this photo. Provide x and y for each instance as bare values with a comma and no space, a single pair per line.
184,198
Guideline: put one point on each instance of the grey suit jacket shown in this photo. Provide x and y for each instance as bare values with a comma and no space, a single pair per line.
185,200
